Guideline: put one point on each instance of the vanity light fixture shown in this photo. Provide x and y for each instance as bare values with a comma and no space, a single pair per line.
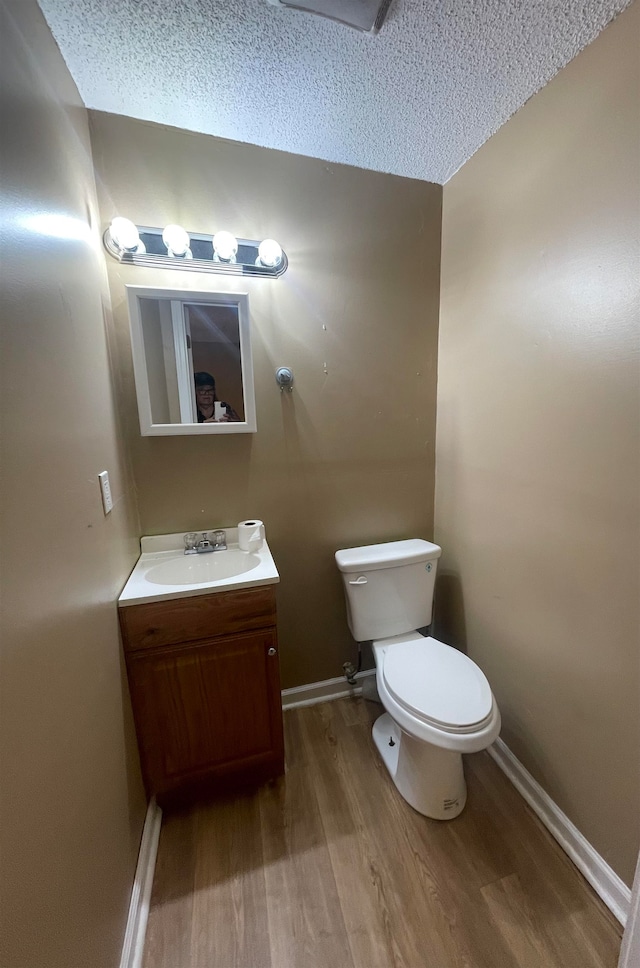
225,247
173,247
177,242
269,253
125,236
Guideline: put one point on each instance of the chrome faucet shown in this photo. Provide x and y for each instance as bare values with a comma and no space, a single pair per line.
195,545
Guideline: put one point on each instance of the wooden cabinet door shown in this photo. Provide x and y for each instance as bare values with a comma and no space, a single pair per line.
208,708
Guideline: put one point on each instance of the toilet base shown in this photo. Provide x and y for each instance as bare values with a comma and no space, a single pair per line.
429,778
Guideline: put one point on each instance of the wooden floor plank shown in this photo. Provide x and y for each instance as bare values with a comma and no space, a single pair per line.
330,868
306,926
554,886
529,937
168,938
599,936
355,855
230,925
436,911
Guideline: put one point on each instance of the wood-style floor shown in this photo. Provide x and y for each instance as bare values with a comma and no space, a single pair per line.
330,868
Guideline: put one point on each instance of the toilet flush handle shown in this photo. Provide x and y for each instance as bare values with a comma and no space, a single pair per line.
359,581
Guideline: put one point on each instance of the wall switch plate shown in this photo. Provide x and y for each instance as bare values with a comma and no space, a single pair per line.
107,500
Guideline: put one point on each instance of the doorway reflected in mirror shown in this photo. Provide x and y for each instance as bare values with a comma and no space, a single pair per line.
216,361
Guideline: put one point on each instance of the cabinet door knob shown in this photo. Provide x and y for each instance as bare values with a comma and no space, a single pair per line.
271,651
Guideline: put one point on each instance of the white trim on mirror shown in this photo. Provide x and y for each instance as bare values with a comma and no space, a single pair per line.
178,298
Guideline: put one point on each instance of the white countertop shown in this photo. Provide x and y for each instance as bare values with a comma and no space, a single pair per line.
157,549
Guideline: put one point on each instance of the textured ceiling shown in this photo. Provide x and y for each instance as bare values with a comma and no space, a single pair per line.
417,99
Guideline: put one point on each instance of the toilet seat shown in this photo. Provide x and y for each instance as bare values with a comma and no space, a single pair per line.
435,684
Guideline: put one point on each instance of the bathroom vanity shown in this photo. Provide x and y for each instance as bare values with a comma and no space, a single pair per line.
202,662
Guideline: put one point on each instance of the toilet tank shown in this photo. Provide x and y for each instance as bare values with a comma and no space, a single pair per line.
388,587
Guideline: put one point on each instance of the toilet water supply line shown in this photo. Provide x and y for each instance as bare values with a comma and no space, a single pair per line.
351,671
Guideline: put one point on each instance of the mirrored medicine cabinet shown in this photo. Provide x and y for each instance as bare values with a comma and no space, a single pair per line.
192,361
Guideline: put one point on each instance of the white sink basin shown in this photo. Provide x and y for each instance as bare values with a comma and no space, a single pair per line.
163,571
210,567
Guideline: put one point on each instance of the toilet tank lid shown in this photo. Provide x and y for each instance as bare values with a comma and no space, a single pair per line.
390,554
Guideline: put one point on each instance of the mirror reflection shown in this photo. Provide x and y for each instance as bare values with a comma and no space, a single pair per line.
215,355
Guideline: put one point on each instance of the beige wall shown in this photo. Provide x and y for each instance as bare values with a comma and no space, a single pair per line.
72,800
538,434
537,444
348,457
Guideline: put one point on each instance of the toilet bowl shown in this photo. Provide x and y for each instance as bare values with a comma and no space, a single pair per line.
438,706
438,702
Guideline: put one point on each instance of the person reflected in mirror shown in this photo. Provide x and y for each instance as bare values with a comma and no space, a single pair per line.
206,401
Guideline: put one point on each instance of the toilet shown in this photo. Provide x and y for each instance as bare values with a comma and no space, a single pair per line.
438,703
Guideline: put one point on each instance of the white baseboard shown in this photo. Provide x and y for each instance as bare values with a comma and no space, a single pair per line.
323,691
630,950
133,946
605,882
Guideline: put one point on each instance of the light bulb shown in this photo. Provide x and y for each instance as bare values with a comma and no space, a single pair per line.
269,253
176,240
225,246
124,234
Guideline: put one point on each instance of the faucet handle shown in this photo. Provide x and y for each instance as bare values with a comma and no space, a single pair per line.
190,540
219,539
